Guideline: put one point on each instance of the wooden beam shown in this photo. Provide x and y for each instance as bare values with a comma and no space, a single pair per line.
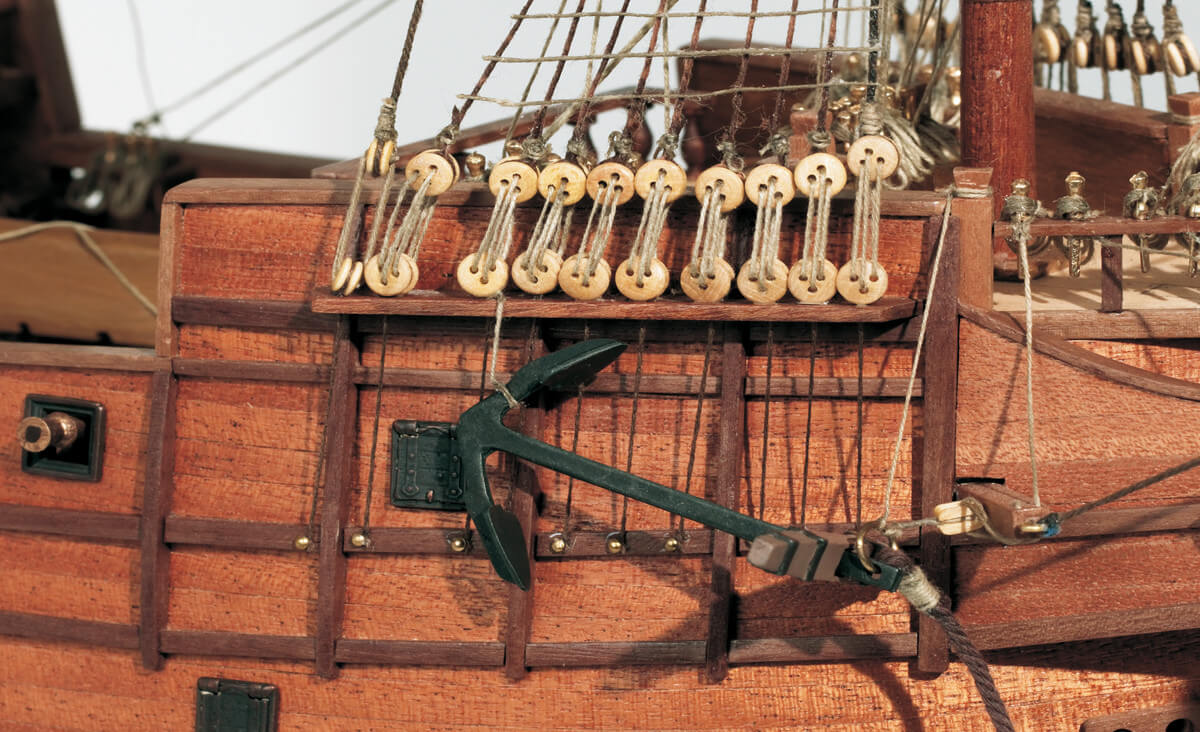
938,439
40,50
420,653
64,522
243,645
340,423
156,504
71,630
730,447
227,534
200,310
666,308
618,653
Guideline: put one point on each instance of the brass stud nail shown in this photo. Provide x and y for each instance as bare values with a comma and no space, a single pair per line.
302,543
615,545
558,544
458,544
671,544
359,539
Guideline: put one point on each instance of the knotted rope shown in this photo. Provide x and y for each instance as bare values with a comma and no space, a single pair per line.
929,600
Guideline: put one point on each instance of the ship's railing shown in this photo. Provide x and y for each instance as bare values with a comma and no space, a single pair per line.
1109,233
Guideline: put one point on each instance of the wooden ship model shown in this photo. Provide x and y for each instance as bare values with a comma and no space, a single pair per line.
313,506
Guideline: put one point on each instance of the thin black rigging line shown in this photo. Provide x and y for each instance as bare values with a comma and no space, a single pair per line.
859,440
637,389
812,365
139,44
248,62
287,68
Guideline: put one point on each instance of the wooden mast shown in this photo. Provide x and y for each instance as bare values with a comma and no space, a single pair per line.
997,91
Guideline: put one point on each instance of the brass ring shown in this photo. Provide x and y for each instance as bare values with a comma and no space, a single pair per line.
860,545
860,548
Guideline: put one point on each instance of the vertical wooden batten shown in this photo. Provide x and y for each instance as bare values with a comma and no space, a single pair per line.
731,444
997,92
939,452
525,492
335,499
1112,280
166,331
156,504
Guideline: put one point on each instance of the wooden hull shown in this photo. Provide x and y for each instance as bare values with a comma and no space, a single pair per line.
181,564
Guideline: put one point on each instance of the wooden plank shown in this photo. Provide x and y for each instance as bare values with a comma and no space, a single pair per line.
1128,325
32,295
1008,327
97,358
276,315
731,445
420,653
71,630
1085,626
335,504
1165,718
939,419
826,648
424,303
251,370
231,534
77,524
156,502
245,645
565,655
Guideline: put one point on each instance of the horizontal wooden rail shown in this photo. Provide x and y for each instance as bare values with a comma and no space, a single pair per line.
100,525
829,648
683,653
423,303
1103,226
244,645
605,383
97,358
420,653
200,310
275,536
637,543
71,630
230,534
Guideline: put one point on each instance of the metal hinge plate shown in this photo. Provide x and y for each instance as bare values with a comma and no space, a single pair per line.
236,706
426,467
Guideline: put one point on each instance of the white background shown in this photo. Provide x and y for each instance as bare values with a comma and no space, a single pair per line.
327,104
